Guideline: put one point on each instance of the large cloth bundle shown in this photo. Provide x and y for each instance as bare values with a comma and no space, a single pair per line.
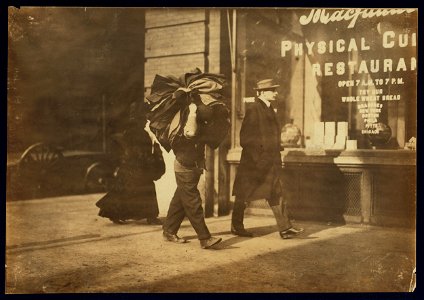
169,102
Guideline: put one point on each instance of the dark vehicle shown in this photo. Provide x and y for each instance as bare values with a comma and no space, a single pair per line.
45,170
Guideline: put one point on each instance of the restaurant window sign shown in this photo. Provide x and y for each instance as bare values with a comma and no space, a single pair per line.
345,74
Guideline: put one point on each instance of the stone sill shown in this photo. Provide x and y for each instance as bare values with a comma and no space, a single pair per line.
339,157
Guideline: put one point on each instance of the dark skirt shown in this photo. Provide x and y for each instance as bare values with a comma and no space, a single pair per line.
133,197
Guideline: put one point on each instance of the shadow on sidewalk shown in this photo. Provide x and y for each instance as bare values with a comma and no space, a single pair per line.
365,261
259,232
325,259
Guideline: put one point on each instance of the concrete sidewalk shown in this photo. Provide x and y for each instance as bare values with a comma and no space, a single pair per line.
61,245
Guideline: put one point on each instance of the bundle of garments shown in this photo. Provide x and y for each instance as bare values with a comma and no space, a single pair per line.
191,106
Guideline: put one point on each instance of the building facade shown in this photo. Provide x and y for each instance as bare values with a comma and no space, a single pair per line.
347,96
347,103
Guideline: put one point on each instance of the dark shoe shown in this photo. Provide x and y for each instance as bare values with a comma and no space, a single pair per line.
173,238
241,232
291,232
154,221
237,218
117,221
206,244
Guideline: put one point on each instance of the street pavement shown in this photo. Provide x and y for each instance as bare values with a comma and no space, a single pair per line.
60,245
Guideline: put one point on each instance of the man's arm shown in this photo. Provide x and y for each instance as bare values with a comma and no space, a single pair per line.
249,128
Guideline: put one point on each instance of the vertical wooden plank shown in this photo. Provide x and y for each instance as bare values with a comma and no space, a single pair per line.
209,182
223,181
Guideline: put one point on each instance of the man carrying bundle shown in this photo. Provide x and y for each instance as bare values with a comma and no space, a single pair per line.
185,113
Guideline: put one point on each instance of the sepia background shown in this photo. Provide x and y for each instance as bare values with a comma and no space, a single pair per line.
347,108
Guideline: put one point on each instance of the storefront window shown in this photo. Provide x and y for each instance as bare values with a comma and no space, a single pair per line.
345,74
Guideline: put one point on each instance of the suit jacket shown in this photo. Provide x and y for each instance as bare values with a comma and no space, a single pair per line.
260,161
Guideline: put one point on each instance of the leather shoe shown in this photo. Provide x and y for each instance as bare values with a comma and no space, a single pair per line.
173,238
291,232
241,232
206,244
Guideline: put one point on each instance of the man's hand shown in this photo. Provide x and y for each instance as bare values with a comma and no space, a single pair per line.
151,135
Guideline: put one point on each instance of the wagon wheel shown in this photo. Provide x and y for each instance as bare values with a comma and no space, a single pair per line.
37,164
99,177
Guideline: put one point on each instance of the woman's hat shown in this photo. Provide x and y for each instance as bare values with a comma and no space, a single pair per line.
266,84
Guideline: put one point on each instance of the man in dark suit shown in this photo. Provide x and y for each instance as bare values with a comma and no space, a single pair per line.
259,173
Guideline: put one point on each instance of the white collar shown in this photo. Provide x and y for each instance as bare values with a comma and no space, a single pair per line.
267,103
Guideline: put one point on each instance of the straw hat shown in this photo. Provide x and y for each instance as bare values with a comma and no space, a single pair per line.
266,84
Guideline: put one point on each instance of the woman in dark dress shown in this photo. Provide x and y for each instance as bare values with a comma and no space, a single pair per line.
133,195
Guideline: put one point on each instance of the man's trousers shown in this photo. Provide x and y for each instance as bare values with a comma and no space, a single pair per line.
186,202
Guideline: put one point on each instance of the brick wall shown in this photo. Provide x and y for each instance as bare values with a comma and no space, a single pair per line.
179,40
160,17
175,42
